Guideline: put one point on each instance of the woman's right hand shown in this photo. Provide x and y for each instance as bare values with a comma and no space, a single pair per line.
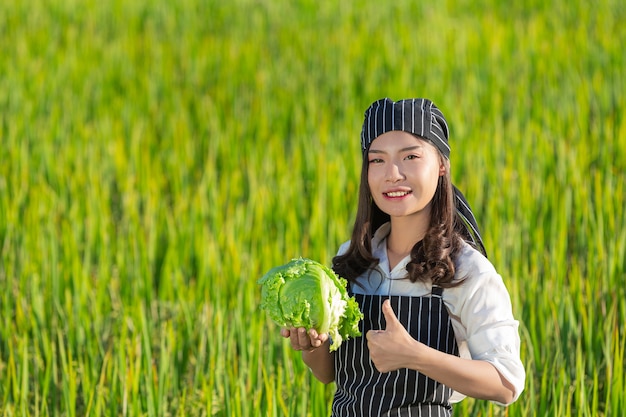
303,340
319,360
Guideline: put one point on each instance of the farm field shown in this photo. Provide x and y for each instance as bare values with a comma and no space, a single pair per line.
158,157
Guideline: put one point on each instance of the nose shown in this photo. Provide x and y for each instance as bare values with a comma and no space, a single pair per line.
394,173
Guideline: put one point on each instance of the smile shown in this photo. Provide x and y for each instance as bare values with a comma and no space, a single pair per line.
397,193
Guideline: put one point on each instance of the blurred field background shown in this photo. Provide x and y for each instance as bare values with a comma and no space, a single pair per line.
157,157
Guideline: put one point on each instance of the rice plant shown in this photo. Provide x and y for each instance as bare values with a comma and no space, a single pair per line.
156,158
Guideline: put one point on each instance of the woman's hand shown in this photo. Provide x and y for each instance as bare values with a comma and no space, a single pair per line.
392,348
319,360
303,340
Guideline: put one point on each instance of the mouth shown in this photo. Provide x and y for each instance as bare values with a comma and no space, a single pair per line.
396,194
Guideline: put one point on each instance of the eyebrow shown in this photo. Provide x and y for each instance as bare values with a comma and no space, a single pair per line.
409,148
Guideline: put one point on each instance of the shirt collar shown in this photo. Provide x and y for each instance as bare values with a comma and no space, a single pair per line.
379,240
379,250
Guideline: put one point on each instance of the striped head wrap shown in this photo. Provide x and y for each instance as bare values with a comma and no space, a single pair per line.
420,117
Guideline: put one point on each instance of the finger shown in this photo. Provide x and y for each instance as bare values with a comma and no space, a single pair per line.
390,316
303,338
314,338
372,333
294,339
284,332
323,337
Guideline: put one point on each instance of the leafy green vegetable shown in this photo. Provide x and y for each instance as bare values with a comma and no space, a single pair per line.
305,293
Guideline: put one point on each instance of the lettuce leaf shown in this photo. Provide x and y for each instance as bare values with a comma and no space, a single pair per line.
305,293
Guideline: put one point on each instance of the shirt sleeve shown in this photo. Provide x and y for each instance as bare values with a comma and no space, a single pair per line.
484,309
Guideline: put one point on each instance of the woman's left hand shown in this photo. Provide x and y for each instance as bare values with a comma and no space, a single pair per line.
392,348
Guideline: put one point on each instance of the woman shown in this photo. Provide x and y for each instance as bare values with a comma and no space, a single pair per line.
438,320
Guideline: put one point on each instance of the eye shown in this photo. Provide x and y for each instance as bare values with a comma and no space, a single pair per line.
375,161
413,156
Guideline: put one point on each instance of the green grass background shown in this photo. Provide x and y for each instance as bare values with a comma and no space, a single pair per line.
157,157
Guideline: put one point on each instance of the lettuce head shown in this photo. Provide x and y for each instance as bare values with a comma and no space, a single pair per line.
305,293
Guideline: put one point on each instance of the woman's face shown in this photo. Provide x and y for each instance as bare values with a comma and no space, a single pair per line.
403,172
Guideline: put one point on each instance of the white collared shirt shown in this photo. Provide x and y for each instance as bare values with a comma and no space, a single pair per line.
480,308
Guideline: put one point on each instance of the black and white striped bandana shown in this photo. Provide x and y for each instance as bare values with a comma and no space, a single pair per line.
418,116
422,118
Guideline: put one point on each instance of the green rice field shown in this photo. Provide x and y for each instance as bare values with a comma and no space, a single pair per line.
158,157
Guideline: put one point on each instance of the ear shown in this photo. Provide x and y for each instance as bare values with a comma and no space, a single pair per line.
443,167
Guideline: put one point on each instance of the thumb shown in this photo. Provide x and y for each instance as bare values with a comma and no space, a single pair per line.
390,316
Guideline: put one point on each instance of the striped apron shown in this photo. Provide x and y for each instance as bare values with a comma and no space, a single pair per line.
363,391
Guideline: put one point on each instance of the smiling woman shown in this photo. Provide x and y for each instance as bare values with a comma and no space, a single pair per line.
423,348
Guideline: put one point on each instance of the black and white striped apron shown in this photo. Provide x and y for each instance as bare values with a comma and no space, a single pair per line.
363,391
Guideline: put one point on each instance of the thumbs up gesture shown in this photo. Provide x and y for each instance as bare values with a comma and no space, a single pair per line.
392,348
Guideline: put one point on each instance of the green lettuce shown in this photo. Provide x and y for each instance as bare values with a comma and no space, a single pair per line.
305,293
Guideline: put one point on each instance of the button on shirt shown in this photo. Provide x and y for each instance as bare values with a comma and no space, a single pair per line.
480,308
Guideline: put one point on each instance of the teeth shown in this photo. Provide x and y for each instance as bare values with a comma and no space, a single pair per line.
397,193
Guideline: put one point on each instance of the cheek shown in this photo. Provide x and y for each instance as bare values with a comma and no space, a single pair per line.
432,178
371,179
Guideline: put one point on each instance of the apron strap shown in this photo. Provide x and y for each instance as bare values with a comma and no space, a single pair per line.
437,291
